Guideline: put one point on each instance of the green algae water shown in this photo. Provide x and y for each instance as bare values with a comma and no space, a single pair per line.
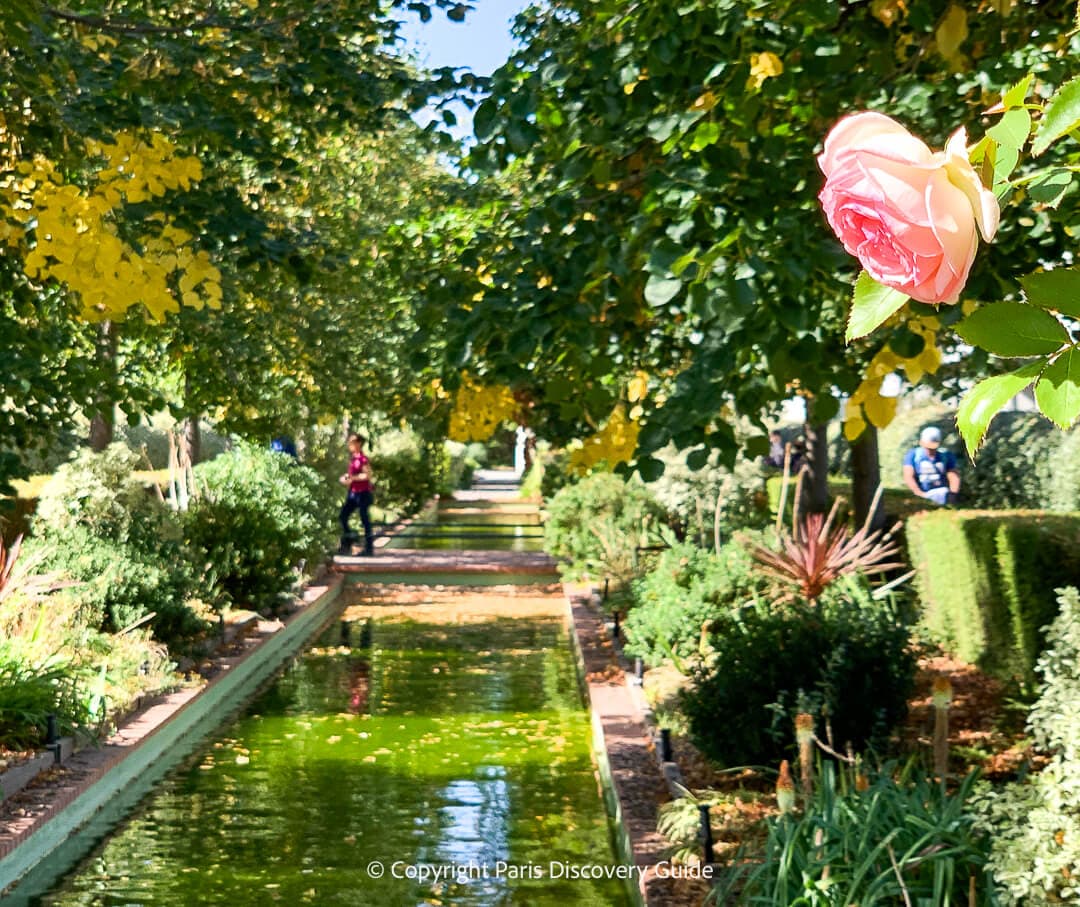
458,527
395,763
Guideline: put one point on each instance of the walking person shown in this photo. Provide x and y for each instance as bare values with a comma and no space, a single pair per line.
929,472
359,497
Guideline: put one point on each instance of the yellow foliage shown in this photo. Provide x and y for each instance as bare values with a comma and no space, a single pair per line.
615,443
887,11
866,404
952,32
854,425
638,387
763,66
69,234
479,410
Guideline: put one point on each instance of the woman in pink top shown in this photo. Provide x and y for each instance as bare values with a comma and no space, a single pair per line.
358,481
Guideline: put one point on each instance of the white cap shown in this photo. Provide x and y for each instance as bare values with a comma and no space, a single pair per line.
930,437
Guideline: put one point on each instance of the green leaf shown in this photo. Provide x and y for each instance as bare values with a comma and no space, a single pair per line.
1049,188
661,290
1062,115
698,458
650,468
1017,94
873,304
985,400
1012,129
1005,161
1058,290
1058,390
706,134
1013,329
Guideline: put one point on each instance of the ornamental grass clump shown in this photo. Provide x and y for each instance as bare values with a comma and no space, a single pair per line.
900,839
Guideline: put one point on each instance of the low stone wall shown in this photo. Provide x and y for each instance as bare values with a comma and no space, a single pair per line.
154,739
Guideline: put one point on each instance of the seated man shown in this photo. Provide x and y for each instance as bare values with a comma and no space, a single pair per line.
929,472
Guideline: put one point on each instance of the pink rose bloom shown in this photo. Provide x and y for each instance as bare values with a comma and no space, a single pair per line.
907,213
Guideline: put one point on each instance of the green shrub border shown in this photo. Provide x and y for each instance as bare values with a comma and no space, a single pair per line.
986,582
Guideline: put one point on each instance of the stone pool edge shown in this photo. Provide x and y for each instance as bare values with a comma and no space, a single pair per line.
151,733
623,748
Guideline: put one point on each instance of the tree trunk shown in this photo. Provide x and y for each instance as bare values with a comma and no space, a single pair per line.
191,437
191,441
865,478
103,420
815,490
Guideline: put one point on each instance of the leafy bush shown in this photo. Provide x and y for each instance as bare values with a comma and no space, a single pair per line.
54,661
407,471
96,525
847,657
596,526
676,600
1034,824
30,691
900,840
692,496
985,582
258,516
118,584
96,491
557,474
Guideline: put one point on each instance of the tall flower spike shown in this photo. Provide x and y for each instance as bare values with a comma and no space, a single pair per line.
942,698
785,790
804,736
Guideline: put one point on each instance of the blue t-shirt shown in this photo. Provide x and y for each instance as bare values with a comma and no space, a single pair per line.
930,471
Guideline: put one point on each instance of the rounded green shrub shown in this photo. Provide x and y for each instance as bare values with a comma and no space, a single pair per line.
596,525
676,602
848,659
257,516
121,546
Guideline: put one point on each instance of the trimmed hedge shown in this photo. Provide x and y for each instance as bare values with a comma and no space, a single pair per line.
986,581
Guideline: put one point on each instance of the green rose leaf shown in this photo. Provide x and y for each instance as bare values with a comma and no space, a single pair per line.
1017,94
1049,188
872,305
1013,329
985,400
1058,289
1062,115
1012,129
660,291
1058,390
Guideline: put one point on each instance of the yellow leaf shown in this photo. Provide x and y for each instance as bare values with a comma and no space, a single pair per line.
880,411
930,359
763,66
952,32
638,387
885,11
853,427
913,370
705,102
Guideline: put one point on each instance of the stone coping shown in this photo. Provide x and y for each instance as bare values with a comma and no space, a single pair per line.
627,742
414,560
155,737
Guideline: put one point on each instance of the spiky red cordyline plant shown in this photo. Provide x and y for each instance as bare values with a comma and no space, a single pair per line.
819,550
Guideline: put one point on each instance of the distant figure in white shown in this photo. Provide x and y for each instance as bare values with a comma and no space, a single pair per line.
522,438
